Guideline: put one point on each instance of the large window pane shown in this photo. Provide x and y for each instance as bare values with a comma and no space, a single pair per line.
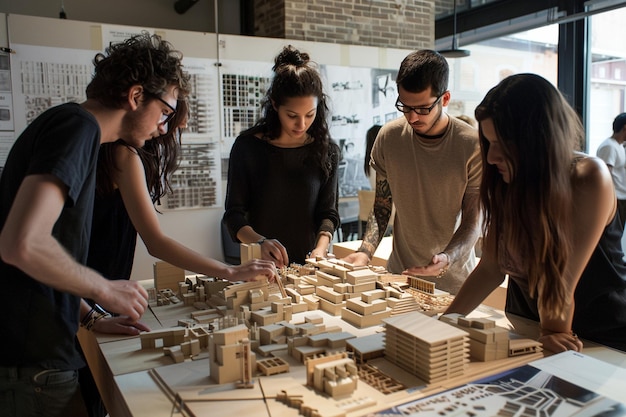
490,61
607,87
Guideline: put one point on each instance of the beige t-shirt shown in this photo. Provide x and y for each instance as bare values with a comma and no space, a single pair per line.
428,179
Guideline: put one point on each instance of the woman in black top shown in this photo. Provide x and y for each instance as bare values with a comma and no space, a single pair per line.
282,177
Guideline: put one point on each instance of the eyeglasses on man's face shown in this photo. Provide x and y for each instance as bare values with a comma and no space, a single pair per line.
422,111
165,117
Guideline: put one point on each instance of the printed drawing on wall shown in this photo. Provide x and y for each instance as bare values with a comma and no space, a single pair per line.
197,181
46,76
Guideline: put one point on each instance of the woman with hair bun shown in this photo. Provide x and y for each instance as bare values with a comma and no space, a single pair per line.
282,176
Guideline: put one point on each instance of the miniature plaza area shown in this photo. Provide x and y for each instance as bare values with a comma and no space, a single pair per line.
326,339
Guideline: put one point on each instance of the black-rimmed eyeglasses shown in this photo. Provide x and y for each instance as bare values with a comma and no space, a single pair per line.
165,118
422,111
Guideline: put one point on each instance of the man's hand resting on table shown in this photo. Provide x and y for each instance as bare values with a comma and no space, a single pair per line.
119,325
357,259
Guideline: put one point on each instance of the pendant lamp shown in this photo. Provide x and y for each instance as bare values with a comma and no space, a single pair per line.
454,52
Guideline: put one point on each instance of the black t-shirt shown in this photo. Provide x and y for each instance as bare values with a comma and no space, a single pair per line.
40,323
282,193
113,238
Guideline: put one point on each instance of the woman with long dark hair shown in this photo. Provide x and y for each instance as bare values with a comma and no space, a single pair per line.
550,220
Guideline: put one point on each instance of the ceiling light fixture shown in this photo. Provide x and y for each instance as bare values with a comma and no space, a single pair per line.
454,52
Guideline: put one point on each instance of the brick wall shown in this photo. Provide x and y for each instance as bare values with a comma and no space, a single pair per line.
405,24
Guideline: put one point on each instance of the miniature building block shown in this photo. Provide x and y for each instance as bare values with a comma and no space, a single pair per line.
174,352
272,366
422,285
167,276
361,276
169,337
302,353
524,346
369,296
268,333
249,251
267,350
406,303
189,298
329,294
265,317
342,287
487,341
361,321
335,378
212,287
305,289
314,319
200,334
365,308
311,301
333,309
318,340
363,287
339,339
483,324
294,295
326,279
308,329
428,348
230,357
230,335
366,347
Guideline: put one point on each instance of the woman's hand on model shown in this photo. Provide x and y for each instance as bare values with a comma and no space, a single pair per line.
273,250
357,259
560,342
254,270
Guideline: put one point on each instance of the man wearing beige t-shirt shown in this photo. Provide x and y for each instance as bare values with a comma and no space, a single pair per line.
428,165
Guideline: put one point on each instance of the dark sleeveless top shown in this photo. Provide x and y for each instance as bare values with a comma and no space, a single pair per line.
600,296
113,238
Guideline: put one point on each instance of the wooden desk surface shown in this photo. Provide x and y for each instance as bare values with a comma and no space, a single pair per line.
129,378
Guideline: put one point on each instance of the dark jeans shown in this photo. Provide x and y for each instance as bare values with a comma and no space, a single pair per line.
37,392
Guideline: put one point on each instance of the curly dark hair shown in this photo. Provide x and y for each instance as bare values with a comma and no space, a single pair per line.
159,157
296,76
144,60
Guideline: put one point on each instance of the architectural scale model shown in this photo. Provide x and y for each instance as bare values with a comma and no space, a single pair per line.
248,332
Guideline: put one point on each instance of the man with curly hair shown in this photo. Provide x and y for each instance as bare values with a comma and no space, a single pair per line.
46,203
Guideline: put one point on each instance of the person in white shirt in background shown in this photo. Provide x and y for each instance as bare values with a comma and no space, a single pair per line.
613,153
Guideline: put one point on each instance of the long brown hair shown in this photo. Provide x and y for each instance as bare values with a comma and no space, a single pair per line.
531,216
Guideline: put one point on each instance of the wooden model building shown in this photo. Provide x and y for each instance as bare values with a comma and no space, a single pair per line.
230,356
426,347
335,375
489,342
